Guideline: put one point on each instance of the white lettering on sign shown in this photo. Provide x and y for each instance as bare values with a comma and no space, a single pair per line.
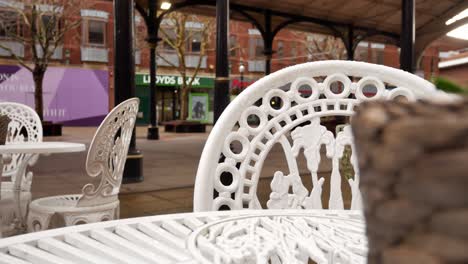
54,112
196,80
170,80
8,76
16,88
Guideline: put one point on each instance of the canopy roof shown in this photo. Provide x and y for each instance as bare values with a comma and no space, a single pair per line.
378,16
375,20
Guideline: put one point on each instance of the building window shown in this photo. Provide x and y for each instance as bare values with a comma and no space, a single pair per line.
94,36
169,34
49,23
294,49
9,24
233,45
95,33
255,47
280,49
194,41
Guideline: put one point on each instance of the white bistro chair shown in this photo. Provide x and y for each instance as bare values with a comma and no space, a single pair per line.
105,162
288,105
25,126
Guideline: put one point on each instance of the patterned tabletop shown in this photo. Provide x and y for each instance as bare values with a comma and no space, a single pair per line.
248,236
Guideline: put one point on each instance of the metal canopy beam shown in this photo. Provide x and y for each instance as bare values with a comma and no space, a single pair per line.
243,9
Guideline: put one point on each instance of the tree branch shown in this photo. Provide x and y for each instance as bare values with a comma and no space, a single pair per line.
16,57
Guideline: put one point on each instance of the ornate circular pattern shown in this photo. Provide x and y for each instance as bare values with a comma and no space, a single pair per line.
224,167
276,93
256,111
369,81
400,91
296,85
223,201
338,77
244,143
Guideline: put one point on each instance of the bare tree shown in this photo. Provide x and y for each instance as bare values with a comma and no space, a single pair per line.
41,26
179,32
323,47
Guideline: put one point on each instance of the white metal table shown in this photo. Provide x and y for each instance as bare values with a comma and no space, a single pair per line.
44,147
30,149
248,236
34,148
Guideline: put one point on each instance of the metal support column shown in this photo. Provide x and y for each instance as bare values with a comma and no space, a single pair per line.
221,92
350,43
153,39
407,37
124,78
268,42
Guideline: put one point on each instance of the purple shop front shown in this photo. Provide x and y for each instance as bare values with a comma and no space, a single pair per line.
72,96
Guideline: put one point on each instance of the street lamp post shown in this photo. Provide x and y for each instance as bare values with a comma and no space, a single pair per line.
241,71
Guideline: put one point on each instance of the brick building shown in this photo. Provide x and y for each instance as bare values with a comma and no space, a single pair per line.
79,83
76,84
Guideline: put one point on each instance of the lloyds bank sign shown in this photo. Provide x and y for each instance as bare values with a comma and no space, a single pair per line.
174,80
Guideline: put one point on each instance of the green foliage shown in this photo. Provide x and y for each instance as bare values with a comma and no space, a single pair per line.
448,86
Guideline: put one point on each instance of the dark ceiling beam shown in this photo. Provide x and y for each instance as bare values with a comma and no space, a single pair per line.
143,13
251,19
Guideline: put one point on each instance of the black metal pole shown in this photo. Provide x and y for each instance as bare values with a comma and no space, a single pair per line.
124,78
174,104
221,92
407,37
153,28
350,43
268,42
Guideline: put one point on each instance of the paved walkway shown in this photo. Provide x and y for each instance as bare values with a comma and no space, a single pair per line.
170,166
170,162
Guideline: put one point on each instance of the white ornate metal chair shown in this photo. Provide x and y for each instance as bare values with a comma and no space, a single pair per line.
25,126
106,160
235,152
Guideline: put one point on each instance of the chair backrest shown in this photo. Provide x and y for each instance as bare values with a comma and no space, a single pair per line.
108,153
288,106
25,126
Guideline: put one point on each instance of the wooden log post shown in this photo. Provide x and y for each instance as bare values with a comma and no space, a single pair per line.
413,160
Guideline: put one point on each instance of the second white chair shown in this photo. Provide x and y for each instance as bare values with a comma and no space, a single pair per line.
106,160
25,126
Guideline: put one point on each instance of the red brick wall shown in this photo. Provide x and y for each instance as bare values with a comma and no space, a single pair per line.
457,74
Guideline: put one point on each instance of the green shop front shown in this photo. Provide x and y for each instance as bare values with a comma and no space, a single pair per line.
168,98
